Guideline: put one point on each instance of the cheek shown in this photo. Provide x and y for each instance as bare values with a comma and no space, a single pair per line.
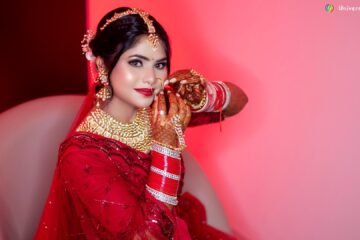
122,75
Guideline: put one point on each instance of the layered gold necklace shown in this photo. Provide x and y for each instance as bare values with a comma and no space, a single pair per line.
136,134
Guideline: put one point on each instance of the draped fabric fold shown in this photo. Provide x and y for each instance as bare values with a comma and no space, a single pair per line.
98,192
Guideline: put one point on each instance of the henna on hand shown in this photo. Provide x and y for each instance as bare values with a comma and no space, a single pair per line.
163,129
190,85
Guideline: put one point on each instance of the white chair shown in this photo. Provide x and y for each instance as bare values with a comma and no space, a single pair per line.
30,135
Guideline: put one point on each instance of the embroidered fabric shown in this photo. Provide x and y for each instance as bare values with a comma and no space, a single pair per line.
98,192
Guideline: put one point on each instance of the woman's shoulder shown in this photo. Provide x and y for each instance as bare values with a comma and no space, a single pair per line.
90,141
83,143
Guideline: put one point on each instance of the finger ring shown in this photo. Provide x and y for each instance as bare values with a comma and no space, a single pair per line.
162,112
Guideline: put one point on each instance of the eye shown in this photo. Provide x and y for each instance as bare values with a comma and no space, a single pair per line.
135,63
161,65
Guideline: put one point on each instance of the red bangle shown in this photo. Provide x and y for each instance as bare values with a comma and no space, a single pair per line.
164,176
220,96
216,96
163,184
166,163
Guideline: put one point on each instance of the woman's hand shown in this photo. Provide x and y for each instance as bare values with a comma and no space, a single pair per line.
163,128
190,85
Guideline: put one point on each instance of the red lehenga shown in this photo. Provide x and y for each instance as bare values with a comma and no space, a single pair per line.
98,192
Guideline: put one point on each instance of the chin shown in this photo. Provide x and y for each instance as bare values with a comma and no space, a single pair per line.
145,104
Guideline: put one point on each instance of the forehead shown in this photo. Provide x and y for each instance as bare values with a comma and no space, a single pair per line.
142,46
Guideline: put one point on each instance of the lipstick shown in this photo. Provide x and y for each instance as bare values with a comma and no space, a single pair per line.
145,91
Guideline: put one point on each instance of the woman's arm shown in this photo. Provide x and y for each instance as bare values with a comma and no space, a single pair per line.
238,100
193,87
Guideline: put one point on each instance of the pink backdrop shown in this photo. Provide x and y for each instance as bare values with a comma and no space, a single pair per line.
288,166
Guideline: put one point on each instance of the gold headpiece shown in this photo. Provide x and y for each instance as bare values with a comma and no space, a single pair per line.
85,45
152,37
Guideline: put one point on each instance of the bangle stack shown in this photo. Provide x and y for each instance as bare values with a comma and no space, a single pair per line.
217,97
165,173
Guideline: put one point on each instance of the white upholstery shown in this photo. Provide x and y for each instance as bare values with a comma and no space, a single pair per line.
30,135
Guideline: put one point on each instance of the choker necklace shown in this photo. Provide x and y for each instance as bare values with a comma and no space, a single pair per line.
136,134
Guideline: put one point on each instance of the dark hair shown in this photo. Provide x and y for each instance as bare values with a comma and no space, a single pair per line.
120,35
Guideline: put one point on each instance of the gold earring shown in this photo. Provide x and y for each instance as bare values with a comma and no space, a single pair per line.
102,76
105,91
103,94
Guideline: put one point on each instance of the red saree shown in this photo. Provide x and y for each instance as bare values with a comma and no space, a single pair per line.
98,192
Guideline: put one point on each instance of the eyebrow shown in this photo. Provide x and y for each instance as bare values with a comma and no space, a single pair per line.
146,58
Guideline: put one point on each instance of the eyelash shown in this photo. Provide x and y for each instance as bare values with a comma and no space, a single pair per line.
135,63
138,63
161,65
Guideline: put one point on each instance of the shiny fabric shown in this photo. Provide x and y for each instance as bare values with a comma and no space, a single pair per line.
98,192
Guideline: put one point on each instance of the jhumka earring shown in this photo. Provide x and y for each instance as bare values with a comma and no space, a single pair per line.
105,91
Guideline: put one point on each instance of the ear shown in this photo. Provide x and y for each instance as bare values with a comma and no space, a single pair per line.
100,64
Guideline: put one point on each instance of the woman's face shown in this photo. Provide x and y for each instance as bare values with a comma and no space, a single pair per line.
138,75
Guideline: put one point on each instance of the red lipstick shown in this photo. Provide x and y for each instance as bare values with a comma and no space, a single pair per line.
145,91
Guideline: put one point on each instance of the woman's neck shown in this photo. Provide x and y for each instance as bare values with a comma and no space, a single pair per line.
121,111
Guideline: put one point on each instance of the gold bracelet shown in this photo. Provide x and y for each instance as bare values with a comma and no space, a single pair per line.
179,132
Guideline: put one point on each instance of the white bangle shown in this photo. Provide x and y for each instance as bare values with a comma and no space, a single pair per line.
227,95
165,173
163,197
166,151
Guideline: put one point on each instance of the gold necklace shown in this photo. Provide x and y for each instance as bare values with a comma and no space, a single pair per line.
136,134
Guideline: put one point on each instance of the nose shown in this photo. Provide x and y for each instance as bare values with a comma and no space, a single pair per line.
150,76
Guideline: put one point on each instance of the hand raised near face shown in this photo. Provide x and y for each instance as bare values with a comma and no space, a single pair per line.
190,85
163,127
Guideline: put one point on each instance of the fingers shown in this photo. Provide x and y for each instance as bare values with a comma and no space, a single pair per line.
184,111
154,110
187,116
174,105
182,107
161,105
172,80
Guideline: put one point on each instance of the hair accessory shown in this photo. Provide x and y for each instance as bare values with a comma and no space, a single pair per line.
152,36
88,36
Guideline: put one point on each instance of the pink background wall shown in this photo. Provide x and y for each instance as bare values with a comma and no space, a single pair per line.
288,166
